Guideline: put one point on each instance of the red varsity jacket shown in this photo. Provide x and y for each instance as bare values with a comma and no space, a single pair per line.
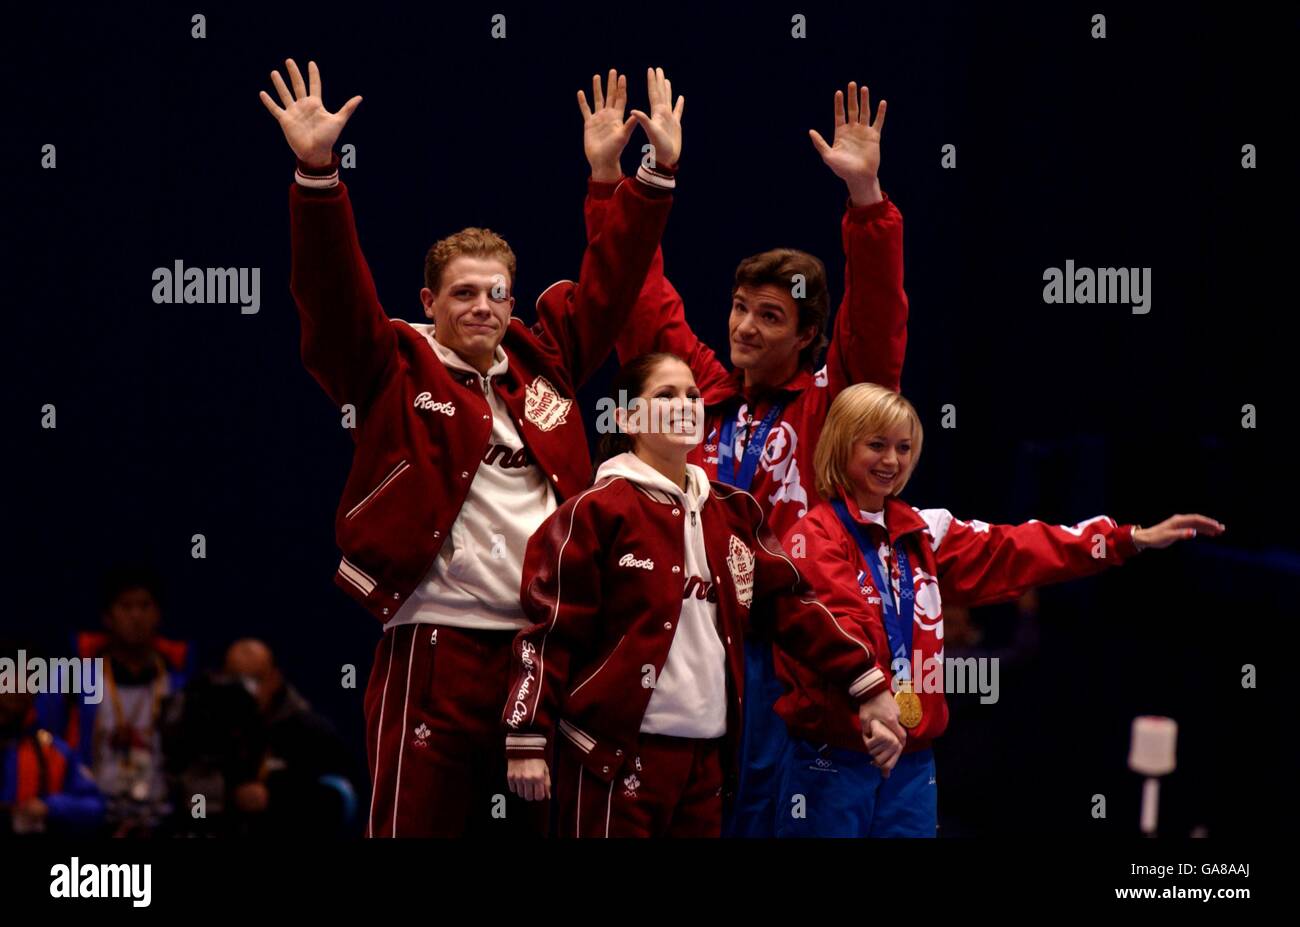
602,618
422,429
964,562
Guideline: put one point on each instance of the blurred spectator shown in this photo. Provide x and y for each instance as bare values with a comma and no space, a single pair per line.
214,740
119,738
303,785
43,786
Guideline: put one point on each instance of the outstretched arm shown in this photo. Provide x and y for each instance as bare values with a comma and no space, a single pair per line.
979,563
870,337
347,340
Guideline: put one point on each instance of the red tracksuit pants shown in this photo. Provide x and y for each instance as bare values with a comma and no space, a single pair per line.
434,738
671,788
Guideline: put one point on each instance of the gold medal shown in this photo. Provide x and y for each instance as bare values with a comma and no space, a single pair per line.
909,704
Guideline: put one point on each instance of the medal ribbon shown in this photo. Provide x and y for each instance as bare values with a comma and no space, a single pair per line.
897,628
753,449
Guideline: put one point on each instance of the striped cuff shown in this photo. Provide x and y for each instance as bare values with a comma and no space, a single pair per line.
866,685
523,746
318,178
658,177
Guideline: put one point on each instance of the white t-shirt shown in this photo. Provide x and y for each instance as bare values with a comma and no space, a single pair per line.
474,581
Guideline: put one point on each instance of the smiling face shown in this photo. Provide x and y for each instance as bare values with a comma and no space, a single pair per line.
878,462
667,419
765,334
471,308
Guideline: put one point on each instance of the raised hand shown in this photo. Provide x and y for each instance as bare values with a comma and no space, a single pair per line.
309,128
1176,528
604,130
664,124
854,154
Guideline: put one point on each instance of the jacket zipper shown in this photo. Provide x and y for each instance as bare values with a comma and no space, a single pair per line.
393,474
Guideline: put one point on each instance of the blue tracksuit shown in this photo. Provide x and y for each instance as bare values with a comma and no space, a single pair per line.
831,792
764,743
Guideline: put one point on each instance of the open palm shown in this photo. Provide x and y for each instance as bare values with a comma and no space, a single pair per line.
310,129
854,154
664,124
604,130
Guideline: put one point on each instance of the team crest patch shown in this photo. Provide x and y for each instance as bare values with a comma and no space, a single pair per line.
740,561
544,406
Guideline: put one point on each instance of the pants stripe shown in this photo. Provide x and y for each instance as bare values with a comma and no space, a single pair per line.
577,823
406,702
609,802
379,737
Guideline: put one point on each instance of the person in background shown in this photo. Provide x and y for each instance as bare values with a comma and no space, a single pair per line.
118,738
304,783
43,786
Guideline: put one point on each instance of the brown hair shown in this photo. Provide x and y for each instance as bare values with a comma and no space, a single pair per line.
628,385
470,242
860,410
778,268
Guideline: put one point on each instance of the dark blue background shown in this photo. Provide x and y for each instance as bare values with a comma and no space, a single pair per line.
175,420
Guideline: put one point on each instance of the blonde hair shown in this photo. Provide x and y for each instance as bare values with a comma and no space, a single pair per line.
470,242
860,410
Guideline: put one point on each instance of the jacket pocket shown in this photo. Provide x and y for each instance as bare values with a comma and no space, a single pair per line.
428,644
603,663
387,481
424,702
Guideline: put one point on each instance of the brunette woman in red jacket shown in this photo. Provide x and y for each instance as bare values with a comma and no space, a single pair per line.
641,591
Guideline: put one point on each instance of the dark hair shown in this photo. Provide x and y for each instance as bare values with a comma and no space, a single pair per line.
125,577
778,268
628,384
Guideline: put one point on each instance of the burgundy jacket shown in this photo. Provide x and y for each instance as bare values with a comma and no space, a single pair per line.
602,618
423,429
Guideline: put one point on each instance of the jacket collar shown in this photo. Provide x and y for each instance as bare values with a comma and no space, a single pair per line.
95,644
735,387
453,361
900,518
657,486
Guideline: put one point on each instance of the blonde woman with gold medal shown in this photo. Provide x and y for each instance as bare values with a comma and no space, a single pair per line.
889,568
